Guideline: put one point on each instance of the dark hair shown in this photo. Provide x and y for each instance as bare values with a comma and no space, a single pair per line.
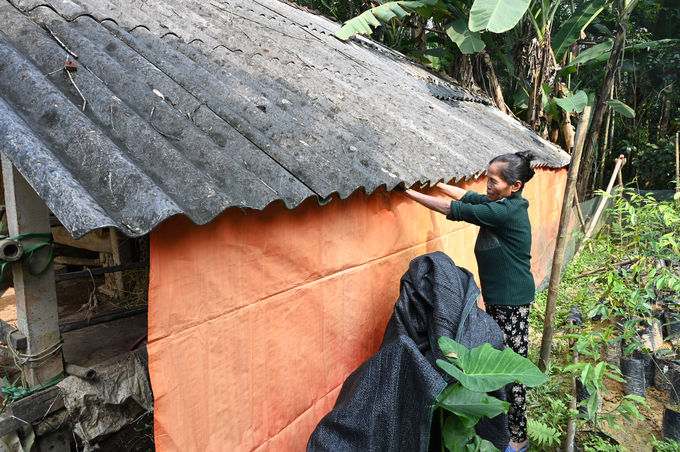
517,167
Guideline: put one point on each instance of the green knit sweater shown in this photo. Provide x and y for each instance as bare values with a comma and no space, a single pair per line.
503,247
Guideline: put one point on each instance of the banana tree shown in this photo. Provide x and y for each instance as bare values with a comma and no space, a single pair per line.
625,9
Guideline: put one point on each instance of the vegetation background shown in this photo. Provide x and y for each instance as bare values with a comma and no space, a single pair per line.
542,61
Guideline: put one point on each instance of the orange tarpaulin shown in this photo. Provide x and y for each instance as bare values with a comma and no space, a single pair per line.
256,320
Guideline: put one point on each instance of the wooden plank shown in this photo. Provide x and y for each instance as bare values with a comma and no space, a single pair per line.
93,242
30,409
38,405
17,338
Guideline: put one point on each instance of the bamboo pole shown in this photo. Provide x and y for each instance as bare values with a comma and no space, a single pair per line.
603,202
677,168
579,212
562,240
571,426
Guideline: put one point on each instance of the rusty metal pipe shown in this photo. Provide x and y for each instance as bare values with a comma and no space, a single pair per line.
11,250
82,372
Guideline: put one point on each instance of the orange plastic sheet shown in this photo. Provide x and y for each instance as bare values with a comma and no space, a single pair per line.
256,320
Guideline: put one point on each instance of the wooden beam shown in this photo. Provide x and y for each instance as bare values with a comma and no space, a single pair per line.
17,338
93,242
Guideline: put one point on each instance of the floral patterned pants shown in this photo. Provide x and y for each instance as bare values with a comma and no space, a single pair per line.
514,322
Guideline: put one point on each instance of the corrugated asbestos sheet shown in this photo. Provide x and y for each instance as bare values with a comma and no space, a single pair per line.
191,107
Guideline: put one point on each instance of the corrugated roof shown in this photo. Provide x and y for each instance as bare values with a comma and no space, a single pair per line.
194,107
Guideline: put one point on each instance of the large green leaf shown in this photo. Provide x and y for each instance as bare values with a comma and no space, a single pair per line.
467,41
456,434
375,16
570,31
574,103
485,369
496,15
621,108
592,53
473,405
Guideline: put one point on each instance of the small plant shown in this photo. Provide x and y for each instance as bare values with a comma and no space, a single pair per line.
666,445
542,435
464,403
595,443
592,376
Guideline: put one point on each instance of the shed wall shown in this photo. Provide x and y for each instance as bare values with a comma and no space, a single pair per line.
256,320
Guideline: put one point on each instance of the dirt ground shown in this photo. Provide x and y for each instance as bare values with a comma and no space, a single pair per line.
635,436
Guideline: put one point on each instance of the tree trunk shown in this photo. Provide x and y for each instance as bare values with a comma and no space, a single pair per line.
495,87
601,103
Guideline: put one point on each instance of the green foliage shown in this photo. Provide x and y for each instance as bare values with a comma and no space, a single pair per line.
496,15
485,369
654,162
375,17
480,370
596,443
571,29
621,108
548,411
666,445
466,40
542,435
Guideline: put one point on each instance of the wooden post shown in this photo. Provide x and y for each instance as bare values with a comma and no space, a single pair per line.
36,298
580,213
677,168
593,221
562,240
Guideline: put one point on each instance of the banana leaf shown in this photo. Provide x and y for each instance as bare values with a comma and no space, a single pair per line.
485,369
570,31
382,14
621,108
574,103
596,51
468,42
496,15
372,17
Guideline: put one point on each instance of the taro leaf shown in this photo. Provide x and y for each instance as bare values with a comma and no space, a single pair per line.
373,17
485,369
456,434
574,103
481,445
497,16
621,108
467,41
592,53
473,405
570,31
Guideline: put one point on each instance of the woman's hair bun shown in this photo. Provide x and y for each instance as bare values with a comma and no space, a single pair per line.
528,156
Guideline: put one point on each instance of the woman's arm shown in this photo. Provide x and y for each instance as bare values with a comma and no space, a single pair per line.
437,204
451,191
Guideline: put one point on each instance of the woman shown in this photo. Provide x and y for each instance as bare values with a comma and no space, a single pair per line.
503,252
